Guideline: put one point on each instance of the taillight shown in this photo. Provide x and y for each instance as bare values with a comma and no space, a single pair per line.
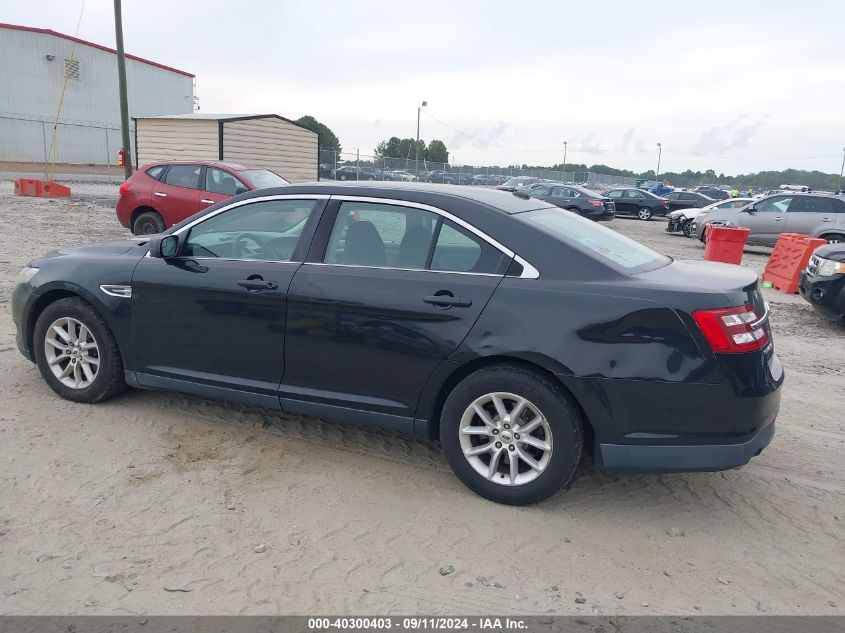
124,187
596,203
665,203
732,330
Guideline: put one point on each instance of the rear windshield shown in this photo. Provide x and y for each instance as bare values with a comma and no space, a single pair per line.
584,234
263,178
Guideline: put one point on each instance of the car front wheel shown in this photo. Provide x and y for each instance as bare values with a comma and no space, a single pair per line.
511,434
644,213
77,353
687,228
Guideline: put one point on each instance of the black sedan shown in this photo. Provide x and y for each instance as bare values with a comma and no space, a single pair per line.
518,335
637,203
582,201
687,200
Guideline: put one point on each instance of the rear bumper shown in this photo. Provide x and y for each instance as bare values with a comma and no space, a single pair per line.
825,294
683,459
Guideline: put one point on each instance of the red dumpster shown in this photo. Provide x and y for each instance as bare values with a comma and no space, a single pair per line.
725,243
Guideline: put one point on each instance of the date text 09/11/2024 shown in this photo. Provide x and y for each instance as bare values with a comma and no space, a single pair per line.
416,623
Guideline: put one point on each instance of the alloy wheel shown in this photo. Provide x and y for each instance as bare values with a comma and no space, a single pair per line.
644,214
506,439
72,353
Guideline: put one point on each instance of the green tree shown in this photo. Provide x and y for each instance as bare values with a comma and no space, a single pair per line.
389,148
327,138
437,152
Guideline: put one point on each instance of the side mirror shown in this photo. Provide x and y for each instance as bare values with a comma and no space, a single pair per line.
750,210
164,246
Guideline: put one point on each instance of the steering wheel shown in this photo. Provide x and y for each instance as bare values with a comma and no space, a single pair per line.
241,250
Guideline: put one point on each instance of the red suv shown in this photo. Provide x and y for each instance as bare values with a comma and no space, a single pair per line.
159,195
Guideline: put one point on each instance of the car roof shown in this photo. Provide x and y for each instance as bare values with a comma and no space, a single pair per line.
207,163
504,201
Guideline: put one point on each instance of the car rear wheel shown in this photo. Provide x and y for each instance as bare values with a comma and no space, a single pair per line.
77,353
644,213
687,228
835,238
511,435
342,177
148,223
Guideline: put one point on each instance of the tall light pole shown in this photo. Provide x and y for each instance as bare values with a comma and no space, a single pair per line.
563,170
121,81
842,170
419,109
659,154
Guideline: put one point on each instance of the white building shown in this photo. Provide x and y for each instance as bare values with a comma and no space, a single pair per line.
33,66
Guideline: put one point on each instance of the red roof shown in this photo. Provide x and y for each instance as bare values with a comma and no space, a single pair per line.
31,29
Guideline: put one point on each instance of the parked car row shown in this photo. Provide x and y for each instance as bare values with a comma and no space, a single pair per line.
572,198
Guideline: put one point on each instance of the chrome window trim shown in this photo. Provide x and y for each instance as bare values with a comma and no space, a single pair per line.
528,271
413,270
117,290
240,203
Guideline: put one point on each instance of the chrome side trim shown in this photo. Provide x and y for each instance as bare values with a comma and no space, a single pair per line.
416,270
528,271
124,292
239,203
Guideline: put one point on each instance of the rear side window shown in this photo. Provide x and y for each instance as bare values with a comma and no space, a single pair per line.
183,176
155,172
461,251
809,204
604,243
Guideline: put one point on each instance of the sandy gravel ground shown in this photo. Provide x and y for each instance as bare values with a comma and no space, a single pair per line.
158,503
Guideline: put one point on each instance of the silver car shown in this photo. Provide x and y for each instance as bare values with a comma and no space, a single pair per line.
816,215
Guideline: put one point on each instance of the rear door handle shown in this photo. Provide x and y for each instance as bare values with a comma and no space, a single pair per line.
446,301
207,201
256,285
159,194
826,220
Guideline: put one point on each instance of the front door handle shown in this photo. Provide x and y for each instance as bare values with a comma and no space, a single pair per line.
447,301
206,201
159,194
778,219
256,285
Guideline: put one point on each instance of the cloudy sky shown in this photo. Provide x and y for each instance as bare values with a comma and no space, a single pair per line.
736,86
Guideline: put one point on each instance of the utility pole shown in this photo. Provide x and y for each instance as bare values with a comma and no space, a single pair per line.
842,170
419,110
563,170
124,101
659,154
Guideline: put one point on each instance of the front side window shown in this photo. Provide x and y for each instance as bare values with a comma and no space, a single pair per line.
633,193
539,191
221,181
778,204
616,193
672,196
573,230
268,230
187,176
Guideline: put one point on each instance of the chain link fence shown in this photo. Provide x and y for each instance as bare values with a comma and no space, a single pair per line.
357,166
29,140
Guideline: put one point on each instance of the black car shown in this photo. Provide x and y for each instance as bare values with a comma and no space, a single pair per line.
518,335
637,203
823,282
582,201
352,172
687,200
712,191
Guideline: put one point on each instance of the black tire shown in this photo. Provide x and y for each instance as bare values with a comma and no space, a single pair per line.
644,213
108,381
555,404
148,223
342,177
687,228
834,238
